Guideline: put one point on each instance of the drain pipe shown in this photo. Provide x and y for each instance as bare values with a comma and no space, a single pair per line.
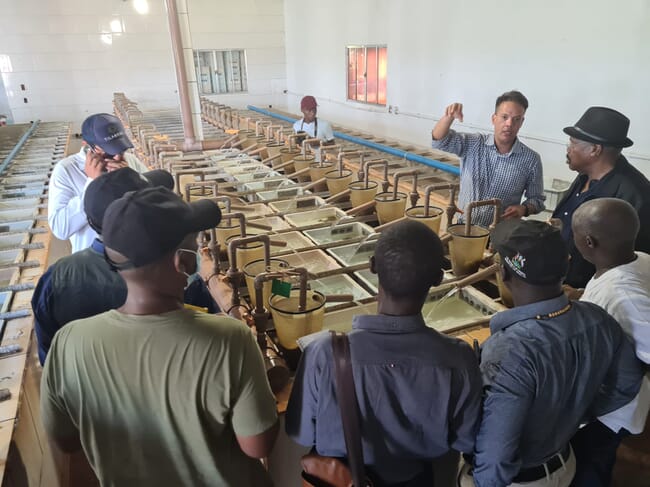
186,87
373,145
18,146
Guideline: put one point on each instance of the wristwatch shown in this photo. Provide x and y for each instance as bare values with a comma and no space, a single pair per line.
526,210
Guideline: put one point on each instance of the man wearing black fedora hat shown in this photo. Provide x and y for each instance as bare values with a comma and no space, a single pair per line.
594,151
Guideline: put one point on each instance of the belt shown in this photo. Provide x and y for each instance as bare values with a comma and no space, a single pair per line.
535,473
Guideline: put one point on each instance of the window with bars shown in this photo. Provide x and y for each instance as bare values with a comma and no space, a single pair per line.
367,74
220,72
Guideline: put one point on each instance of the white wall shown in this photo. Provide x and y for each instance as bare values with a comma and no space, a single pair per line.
55,49
564,56
254,25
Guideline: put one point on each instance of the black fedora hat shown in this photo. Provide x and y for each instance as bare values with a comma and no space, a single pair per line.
601,125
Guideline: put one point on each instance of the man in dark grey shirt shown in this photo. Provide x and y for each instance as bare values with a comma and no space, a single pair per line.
419,391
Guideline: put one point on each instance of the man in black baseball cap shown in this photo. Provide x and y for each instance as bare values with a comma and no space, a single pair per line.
594,151
547,365
83,284
144,226
189,386
105,149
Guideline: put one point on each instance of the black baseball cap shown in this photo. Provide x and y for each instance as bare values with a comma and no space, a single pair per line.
108,187
533,250
106,131
147,224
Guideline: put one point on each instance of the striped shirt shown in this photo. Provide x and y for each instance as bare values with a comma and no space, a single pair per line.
487,174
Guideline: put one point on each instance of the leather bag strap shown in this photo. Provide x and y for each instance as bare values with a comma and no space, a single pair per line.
348,405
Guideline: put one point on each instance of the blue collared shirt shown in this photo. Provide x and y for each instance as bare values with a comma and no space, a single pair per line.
542,378
419,395
485,173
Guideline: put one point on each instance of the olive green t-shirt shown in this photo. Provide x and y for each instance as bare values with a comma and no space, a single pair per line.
157,400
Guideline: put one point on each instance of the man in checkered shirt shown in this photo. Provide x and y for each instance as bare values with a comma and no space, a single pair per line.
494,165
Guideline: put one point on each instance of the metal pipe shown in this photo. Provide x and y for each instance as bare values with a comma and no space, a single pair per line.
190,144
202,185
373,145
234,274
341,154
237,216
496,202
414,195
18,146
451,206
308,141
366,172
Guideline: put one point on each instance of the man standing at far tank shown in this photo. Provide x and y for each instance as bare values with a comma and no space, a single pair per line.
104,149
495,165
313,126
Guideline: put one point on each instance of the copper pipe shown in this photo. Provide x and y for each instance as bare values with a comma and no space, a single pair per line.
298,173
366,172
360,208
202,184
414,195
271,159
313,184
185,172
227,202
269,129
388,224
228,217
214,249
308,141
451,206
475,204
477,276
341,154
234,274
265,276
338,196
257,126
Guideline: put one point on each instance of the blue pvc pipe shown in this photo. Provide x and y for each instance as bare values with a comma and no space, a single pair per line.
373,145
18,146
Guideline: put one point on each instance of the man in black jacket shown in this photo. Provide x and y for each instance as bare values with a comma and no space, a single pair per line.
594,151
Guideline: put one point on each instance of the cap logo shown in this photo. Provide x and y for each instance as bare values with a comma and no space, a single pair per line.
516,263
113,133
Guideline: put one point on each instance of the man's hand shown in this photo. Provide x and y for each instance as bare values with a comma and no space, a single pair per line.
112,165
95,165
514,211
454,111
572,293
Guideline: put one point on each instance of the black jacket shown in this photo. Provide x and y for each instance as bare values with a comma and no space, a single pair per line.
624,182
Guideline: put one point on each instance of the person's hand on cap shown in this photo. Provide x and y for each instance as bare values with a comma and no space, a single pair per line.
455,111
95,164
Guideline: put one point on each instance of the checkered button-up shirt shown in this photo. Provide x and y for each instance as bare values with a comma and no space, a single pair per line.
487,174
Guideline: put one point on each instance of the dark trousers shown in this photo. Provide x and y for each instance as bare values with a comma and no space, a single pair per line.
595,448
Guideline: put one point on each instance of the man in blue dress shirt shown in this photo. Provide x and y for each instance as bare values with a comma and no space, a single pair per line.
419,391
549,365
495,165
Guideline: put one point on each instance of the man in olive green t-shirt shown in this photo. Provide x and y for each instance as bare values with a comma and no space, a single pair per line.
158,395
